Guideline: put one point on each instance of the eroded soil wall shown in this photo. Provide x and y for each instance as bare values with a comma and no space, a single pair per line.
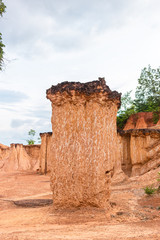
19,157
140,150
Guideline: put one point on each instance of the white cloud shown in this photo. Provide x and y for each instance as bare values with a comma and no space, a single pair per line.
68,40
9,96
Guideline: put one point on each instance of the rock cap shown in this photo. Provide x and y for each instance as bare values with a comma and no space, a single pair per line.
87,90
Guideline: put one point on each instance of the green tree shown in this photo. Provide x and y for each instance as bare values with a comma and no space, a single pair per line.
31,135
2,10
147,95
126,101
127,108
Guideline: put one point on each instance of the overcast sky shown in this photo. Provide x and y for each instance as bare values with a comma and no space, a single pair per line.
50,41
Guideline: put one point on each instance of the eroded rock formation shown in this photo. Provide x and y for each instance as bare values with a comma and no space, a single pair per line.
140,150
19,157
45,153
141,120
84,142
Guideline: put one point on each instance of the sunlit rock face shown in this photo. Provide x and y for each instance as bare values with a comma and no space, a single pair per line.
84,142
45,153
19,157
140,150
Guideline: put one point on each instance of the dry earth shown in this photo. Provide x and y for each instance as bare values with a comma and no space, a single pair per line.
24,215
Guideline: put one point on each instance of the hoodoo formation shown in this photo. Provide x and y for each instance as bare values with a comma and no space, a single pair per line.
83,146
45,153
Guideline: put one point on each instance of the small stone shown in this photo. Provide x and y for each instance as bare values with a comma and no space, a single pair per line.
113,204
120,213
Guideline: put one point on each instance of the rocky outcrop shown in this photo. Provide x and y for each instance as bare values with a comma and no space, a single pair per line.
45,153
83,143
19,157
141,120
140,150
3,146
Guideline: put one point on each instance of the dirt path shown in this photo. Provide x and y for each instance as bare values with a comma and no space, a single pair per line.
131,214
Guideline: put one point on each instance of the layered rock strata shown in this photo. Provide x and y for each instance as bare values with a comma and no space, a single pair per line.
84,142
140,150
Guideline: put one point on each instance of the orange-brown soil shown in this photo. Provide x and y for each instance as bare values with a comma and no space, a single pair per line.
131,214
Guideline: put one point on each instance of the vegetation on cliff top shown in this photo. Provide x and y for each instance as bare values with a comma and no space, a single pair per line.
147,97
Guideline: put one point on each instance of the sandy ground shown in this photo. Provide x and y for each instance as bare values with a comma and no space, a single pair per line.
130,215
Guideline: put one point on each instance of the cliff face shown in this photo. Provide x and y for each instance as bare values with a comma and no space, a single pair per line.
140,150
141,120
84,142
19,157
140,144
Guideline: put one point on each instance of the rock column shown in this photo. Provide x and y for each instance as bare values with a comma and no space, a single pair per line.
45,153
83,144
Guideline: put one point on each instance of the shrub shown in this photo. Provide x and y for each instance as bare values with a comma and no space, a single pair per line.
149,190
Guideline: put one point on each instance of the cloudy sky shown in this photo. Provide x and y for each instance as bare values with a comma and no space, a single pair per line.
50,41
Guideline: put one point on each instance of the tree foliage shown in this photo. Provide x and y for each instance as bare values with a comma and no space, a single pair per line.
31,135
2,10
1,52
147,97
127,108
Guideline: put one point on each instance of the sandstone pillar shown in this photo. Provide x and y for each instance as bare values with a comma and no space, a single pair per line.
45,153
83,143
